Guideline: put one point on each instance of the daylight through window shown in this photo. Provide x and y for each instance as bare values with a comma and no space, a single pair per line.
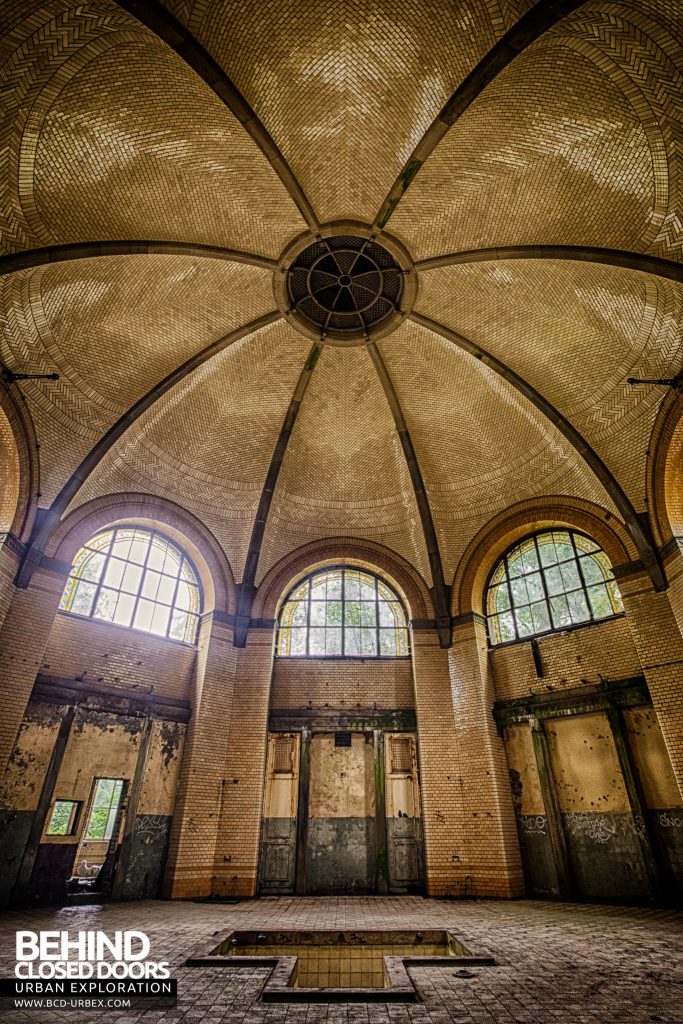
135,577
343,612
548,582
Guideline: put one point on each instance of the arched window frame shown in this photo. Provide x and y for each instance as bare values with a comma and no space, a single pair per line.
186,572
583,588
379,581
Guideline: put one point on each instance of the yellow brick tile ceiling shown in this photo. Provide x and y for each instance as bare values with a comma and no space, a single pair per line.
107,134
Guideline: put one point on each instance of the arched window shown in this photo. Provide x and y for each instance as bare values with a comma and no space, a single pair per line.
342,612
549,581
135,577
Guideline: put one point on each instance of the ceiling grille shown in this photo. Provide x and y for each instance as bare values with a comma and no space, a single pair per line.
345,284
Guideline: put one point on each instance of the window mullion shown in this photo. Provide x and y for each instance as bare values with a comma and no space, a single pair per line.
513,606
100,584
308,617
175,591
546,595
377,615
136,602
581,576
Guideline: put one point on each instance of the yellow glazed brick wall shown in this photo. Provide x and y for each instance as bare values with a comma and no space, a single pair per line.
9,563
342,684
23,639
189,866
488,814
602,651
101,652
239,832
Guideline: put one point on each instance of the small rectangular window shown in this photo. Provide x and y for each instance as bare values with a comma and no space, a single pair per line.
342,739
63,819
283,755
401,755
104,808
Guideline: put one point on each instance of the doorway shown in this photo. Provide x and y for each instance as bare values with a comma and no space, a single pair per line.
341,814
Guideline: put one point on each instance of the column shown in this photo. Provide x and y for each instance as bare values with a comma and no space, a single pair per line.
658,641
192,847
448,867
24,635
487,797
239,833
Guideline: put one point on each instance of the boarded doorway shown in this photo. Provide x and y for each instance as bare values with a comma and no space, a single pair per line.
341,814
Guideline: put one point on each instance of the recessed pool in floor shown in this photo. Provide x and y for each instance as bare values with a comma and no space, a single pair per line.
328,960
340,966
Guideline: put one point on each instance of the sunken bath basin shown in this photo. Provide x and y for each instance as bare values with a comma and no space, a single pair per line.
323,965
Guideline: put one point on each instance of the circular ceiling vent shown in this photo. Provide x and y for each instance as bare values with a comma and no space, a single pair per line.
344,288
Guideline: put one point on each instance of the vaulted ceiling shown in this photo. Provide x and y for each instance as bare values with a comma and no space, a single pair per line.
158,160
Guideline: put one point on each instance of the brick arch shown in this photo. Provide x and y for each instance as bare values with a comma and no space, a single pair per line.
352,551
508,526
664,480
177,523
19,465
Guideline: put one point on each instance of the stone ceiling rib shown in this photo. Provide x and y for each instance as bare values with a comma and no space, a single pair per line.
157,19
440,590
542,17
247,587
656,265
29,258
53,515
642,541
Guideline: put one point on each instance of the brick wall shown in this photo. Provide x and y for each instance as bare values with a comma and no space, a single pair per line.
342,684
573,658
100,652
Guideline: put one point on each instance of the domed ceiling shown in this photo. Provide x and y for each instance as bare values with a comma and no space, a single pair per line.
373,269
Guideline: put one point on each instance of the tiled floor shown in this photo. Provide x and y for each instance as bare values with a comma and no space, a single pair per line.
556,962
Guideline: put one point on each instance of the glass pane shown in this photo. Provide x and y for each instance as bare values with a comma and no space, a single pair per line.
122,542
171,564
541,617
179,625
368,613
299,641
502,628
138,548
352,640
298,613
352,613
132,575
60,821
334,586
578,606
318,613
386,614
553,580
167,588
89,564
563,546
519,591
546,549
150,586
529,556
560,612
388,646
498,599
334,613
191,630
124,609
106,604
317,642
333,641
368,641
534,586
614,594
570,575
600,602
402,639
143,614
515,563
101,541
80,596
524,620
157,554
592,570
498,573
351,586
160,619
367,588
114,573
318,588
